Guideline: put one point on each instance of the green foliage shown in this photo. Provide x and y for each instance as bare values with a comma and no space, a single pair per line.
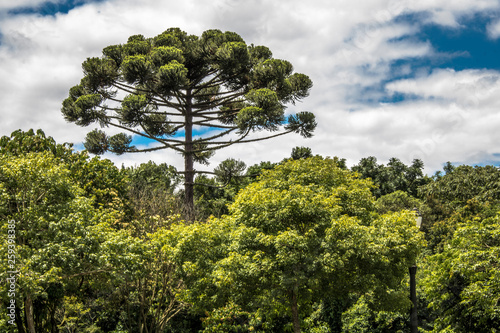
100,179
97,142
151,191
229,170
304,244
396,176
58,232
229,319
463,193
256,170
399,200
460,185
176,81
301,152
20,143
305,228
68,255
462,282
195,249
213,195
396,201
361,318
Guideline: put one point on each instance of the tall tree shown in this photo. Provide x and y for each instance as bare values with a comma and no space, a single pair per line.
215,83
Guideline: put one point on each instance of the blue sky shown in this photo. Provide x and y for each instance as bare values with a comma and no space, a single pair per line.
392,78
49,8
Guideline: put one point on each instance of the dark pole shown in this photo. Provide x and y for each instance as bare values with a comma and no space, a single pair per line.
413,298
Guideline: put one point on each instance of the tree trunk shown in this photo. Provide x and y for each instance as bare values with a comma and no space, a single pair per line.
295,311
189,161
53,323
19,321
28,310
413,298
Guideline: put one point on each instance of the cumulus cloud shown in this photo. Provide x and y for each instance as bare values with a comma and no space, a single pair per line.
469,88
456,111
348,49
494,29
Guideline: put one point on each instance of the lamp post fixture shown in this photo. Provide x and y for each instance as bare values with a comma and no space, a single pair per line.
413,284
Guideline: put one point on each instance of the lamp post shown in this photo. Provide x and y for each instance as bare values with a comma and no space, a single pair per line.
413,284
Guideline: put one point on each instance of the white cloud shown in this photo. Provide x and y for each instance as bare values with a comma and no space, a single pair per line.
477,89
448,13
494,30
11,4
344,47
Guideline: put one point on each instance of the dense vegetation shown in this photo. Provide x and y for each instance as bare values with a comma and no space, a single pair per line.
302,245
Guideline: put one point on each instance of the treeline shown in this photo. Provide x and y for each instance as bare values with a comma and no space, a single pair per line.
303,245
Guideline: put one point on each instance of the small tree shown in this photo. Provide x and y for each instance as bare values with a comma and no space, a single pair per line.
156,87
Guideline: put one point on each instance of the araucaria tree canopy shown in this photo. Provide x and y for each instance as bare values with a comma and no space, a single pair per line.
158,87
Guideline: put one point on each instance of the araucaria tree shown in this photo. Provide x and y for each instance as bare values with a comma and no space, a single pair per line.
177,83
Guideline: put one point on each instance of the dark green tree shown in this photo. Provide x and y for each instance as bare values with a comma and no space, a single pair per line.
395,176
459,185
151,193
175,82
301,152
213,195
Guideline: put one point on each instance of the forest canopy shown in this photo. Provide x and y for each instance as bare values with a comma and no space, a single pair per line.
306,244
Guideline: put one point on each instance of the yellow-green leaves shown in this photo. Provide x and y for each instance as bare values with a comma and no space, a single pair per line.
307,228
162,55
136,45
232,59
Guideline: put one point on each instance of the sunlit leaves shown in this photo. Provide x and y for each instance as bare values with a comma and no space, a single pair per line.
163,55
114,52
20,142
306,227
461,282
260,53
172,37
136,45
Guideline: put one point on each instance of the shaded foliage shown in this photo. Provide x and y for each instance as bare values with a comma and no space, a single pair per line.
395,176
